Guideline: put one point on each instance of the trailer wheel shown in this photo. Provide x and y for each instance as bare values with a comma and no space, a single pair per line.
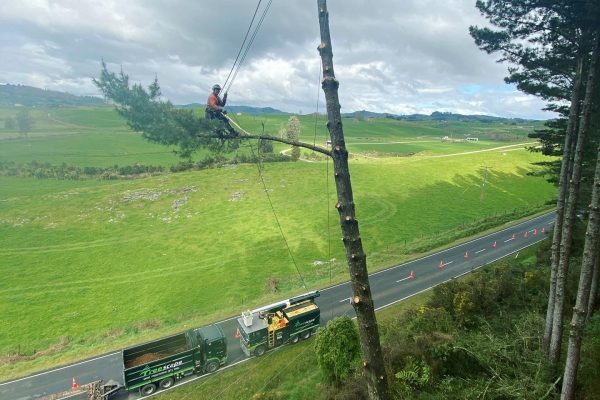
148,389
260,350
295,339
166,383
212,367
306,334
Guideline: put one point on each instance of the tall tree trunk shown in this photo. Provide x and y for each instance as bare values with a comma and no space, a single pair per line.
594,288
361,299
565,172
590,252
565,251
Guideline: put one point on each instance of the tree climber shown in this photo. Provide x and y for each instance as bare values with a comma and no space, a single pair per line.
214,108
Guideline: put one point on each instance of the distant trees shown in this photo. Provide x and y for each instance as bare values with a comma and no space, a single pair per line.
24,122
292,132
10,123
265,146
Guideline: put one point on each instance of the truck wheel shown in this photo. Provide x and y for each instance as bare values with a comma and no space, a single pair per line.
148,389
166,383
212,367
305,335
295,339
260,350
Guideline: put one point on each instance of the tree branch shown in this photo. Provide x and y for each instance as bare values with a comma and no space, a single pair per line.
268,137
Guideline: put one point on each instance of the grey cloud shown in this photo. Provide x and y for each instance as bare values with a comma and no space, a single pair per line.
389,55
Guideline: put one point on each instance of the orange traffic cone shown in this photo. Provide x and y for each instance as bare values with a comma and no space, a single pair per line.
74,385
543,229
466,254
535,232
494,244
526,232
237,334
513,237
442,264
412,275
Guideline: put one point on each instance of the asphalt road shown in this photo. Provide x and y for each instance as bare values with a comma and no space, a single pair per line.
388,287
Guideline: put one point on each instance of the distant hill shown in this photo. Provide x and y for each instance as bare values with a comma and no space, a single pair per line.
242,109
29,96
34,97
435,116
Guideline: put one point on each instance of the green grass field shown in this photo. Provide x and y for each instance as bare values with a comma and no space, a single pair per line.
93,265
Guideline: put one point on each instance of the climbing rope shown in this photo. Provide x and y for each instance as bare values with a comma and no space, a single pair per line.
248,45
243,43
260,167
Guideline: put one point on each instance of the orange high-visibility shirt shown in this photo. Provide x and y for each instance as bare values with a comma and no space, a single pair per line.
215,103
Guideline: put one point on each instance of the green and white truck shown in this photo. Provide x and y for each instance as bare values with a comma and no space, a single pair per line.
277,324
160,363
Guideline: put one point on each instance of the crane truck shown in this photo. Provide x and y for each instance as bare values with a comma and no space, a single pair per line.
279,323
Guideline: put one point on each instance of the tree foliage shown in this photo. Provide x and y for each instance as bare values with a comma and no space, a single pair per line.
337,348
9,123
24,122
292,132
159,121
541,41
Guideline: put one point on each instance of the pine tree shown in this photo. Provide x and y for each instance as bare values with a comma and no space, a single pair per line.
590,258
548,46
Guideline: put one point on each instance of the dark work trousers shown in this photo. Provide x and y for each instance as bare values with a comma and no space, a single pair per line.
211,114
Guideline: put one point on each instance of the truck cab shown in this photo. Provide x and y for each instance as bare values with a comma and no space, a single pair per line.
213,344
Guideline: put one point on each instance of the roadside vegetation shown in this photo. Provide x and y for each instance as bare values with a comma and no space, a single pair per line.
96,264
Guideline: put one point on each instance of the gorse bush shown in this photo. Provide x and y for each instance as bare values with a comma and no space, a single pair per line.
338,350
474,336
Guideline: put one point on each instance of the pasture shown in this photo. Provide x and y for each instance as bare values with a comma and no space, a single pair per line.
94,265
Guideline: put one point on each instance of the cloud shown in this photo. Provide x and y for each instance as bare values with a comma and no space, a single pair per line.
390,56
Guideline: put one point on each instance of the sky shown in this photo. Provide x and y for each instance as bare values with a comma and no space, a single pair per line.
392,56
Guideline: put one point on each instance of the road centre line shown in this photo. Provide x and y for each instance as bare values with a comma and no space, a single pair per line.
512,227
403,279
479,251
344,300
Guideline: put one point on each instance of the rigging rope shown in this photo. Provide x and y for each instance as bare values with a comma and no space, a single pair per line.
260,168
250,42
243,43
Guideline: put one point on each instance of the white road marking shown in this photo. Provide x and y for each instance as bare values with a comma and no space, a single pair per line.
509,240
449,262
479,251
403,279
346,299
